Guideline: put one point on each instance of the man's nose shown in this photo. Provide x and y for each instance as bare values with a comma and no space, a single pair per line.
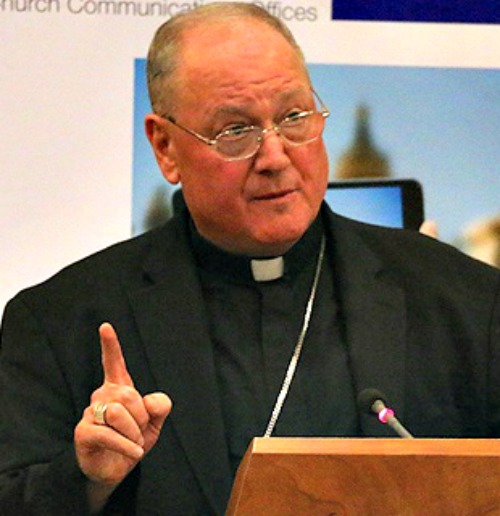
273,129
272,154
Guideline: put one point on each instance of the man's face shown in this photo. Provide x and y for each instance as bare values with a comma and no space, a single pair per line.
243,73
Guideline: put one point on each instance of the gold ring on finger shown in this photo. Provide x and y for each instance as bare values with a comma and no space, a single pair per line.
100,413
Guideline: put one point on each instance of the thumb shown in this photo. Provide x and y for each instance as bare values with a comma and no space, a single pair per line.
158,405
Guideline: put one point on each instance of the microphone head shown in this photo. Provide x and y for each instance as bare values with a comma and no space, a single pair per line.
366,399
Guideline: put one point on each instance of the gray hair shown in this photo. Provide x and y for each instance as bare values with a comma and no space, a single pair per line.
164,51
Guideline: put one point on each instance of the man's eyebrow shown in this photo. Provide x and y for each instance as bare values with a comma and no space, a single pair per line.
233,110
245,109
292,94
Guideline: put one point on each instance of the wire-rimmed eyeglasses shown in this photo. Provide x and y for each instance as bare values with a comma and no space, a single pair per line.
244,141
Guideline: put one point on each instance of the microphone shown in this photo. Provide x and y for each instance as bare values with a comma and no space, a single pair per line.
372,401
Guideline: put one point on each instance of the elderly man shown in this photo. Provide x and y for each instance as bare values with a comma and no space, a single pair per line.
215,308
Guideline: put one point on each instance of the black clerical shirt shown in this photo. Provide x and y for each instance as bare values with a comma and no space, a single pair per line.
254,327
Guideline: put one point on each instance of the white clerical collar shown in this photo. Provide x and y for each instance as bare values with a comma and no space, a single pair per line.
267,269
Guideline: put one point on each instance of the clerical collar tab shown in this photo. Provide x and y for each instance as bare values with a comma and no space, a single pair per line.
267,269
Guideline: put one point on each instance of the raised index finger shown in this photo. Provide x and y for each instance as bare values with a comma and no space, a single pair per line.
113,363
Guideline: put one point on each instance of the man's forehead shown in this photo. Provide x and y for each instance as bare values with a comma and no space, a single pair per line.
238,65
240,54
241,104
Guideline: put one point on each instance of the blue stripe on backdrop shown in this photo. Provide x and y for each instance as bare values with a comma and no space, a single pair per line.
445,11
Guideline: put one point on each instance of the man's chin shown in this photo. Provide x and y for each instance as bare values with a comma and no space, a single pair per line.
279,241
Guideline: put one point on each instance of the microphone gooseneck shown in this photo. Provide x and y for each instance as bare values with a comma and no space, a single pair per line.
372,401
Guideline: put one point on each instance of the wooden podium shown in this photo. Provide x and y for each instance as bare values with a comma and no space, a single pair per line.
344,477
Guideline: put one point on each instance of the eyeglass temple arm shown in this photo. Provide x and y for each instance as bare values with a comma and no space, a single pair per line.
171,119
323,109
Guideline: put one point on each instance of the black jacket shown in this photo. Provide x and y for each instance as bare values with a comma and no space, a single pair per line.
422,323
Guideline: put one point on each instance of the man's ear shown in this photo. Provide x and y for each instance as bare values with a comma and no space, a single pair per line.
157,132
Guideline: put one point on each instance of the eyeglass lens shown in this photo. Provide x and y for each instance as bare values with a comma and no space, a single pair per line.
246,143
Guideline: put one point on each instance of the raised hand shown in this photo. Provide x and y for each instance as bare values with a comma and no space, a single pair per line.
110,445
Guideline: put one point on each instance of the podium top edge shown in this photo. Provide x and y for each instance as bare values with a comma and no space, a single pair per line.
374,446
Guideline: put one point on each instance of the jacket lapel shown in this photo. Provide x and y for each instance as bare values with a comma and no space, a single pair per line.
174,331
374,313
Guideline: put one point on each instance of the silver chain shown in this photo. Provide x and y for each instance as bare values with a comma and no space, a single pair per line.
280,400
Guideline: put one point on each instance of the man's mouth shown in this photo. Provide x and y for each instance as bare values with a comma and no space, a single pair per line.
274,195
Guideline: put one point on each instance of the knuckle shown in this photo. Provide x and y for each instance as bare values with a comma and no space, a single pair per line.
128,395
79,432
97,395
